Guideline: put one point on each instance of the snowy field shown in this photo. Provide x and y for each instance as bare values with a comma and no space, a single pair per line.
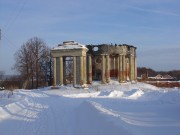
128,109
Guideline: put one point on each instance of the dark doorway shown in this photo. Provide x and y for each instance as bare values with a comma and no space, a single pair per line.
98,74
68,70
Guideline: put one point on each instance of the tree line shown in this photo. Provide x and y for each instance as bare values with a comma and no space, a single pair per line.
152,73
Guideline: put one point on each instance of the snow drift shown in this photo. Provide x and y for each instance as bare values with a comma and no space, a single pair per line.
128,109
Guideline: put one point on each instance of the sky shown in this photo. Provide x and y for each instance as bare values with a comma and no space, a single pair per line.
153,26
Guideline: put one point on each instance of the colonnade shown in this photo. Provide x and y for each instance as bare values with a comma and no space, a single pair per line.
124,72
79,70
82,69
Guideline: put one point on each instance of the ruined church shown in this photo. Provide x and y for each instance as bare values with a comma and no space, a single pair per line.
79,64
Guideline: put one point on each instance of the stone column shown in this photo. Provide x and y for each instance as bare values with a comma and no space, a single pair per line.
84,70
103,80
89,69
124,68
54,79
78,71
131,68
114,65
61,70
81,71
120,69
127,70
135,68
107,69
64,70
74,71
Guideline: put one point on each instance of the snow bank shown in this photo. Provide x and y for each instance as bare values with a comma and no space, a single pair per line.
128,109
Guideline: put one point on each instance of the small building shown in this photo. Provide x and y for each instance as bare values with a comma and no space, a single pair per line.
158,76
168,77
80,64
163,77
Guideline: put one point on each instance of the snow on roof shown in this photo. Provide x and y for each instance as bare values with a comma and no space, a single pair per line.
167,77
158,76
69,45
163,77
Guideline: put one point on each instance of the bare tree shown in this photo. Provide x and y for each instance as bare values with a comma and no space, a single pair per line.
22,65
29,61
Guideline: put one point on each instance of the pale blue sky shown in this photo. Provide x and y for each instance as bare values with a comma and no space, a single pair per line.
153,26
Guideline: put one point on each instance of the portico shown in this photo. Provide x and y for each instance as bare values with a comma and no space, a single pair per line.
65,52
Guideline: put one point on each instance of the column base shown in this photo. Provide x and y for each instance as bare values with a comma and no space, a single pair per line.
108,81
103,82
122,82
134,82
81,86
54,87
89,82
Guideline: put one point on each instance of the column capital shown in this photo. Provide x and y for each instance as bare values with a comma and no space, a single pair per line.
120,54
102,54
132,55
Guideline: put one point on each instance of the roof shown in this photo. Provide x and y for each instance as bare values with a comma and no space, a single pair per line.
69,45
163,77
167,77
158,76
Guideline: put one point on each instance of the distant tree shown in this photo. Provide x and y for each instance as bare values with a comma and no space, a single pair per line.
30,60
1,79
2,75
144,70
173,73
12,82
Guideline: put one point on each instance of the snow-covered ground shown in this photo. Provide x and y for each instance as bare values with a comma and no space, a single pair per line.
114,109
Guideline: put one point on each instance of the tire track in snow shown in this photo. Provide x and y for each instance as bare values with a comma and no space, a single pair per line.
95,121
33,111
32,115
143,119
43,124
